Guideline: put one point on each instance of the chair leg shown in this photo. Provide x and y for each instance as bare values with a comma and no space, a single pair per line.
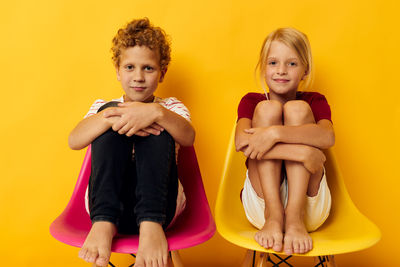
262,260
325,261
249,259
176,259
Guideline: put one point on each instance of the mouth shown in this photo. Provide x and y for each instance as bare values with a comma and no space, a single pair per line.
138,88
281,80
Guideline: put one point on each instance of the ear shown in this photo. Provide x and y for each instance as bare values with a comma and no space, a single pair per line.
117,71
305,75
162,75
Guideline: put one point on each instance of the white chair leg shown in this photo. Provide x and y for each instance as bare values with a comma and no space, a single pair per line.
248,259
176,259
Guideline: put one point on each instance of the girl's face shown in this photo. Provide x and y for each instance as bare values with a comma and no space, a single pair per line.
284,71
139,73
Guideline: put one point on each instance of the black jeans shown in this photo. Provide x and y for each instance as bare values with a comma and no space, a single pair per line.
127,191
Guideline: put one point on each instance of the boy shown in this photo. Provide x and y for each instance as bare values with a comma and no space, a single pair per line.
134,186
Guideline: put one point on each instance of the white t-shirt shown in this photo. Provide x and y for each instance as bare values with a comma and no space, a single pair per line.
170,103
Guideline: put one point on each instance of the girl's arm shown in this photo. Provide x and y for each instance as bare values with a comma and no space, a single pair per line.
135,116
320,134
312,158
89,129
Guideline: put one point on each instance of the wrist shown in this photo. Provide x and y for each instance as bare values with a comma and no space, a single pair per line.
158,112
275,132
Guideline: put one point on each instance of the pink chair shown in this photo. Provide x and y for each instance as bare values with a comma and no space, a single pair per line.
194,226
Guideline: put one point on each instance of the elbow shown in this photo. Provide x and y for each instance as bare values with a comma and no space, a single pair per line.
72,143
330,140
188,140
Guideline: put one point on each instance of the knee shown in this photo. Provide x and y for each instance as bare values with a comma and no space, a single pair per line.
108,105
268,112
297,112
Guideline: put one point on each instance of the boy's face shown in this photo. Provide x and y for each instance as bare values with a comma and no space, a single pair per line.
284,69
139,73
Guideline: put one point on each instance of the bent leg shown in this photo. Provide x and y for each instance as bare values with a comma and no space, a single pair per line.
156,192
111,155
297,239
265,177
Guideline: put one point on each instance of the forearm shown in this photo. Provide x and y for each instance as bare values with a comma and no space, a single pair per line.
87,130
291,152
319,135
178,127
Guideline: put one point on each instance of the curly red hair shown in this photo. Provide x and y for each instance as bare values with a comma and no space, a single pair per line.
142,32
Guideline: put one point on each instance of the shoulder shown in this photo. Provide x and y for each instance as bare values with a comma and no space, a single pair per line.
309,96
175,105
254,97
98,103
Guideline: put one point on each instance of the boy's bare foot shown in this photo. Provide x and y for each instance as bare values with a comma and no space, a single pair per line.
153,246
270,236
97,246
297,239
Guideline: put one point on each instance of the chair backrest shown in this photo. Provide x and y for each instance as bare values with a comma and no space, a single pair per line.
345,230
194,226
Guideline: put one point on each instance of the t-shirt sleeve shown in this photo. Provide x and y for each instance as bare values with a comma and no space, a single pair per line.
320,108
177,106
248,104
95,107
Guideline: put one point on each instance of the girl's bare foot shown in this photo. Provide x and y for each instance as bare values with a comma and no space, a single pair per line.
97,246
153,246
297,239
270,236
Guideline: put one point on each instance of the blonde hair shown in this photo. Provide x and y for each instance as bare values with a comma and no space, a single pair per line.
294,39
142,32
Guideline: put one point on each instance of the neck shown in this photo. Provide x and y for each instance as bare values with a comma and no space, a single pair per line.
282,98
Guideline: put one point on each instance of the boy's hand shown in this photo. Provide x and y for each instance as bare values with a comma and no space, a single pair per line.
135,117
314,159
153,129
261,140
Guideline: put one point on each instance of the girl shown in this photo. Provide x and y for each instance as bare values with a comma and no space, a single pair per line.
134,186
282,133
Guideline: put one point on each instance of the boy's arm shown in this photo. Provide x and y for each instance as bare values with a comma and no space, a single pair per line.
135,116
89,129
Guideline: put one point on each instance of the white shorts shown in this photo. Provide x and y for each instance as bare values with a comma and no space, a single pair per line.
316,210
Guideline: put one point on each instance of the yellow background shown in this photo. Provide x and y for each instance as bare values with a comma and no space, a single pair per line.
55,62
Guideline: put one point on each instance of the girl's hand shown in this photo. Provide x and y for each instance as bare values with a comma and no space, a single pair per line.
261,140
314,159
134,117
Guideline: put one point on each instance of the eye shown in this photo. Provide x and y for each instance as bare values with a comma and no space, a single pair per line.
129,67
293,64
148,68
272,62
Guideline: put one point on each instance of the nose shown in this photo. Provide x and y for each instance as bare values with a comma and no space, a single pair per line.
138,75
282,69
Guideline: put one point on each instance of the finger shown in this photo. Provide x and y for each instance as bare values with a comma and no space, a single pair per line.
151,130
126,128
142,133
157,127
250,130
112,112
118,125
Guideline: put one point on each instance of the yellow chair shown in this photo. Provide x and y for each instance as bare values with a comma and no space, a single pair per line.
345,230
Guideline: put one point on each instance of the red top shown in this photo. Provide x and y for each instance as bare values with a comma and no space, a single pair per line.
318,103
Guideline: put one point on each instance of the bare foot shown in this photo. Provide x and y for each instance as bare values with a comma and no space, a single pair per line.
297,239
97,246
153,246
270,236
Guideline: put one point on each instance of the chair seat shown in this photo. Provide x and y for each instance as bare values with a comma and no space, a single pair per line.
345,230
194,226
